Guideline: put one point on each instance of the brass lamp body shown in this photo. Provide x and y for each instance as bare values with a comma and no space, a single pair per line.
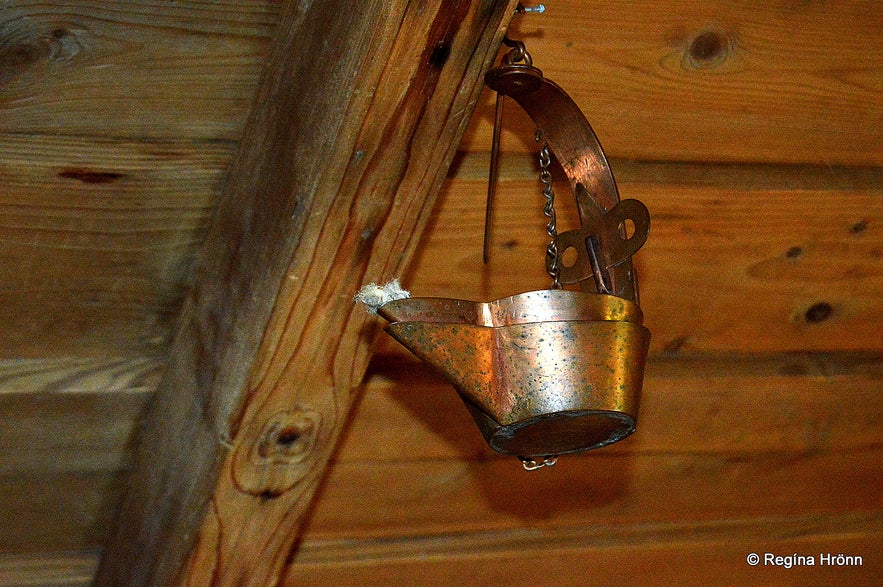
556,371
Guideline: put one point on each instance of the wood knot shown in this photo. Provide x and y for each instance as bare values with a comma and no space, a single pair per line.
276,455
287,437
708,49
859,227
818,313
440,54
794,253
20,48
23,45
90,176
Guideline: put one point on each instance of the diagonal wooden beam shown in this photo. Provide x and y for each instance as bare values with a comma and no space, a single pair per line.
357,118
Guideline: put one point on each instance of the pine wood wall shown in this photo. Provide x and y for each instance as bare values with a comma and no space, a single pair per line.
752,132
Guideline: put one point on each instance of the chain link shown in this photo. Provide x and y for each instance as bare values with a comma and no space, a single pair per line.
518,53
532,464
549,211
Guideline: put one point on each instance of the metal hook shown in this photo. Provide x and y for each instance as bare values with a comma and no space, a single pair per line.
518,54
531,464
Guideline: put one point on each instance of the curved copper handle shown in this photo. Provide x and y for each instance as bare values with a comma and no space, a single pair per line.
571,138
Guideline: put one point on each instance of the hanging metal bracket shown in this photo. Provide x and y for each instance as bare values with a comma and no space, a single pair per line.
611,231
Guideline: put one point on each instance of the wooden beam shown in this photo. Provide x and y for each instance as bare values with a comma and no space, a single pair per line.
357,117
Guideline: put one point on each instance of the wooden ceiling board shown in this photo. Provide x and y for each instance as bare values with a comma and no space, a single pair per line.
750,130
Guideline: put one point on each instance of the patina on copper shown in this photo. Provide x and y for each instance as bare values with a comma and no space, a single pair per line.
548,372
544,372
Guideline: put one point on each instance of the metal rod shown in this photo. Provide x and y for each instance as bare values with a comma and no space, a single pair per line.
493,173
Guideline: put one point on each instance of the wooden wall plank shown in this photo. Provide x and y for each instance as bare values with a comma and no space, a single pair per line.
689,554
104,259
721,406
57,511
717,81
701,418
97,240
67,433
80,375
743,438
610,536
712,81
65,430
133,68
445,496
56,569
736,258
690,561
717,440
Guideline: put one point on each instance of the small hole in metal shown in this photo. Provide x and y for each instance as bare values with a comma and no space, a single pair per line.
569,257
627,228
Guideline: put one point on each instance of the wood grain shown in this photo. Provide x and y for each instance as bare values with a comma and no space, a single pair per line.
62,569
142,69
99,263
65,431
791,82
97,240
713,437
77,375
57,510
721,405
706,554
710,81
442,497
682,554
707,414
341,176
739,258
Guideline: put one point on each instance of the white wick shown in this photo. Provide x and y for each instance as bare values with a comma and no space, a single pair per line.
374,296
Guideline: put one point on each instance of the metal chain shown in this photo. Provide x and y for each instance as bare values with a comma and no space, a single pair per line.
517,54
532,464
549,211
